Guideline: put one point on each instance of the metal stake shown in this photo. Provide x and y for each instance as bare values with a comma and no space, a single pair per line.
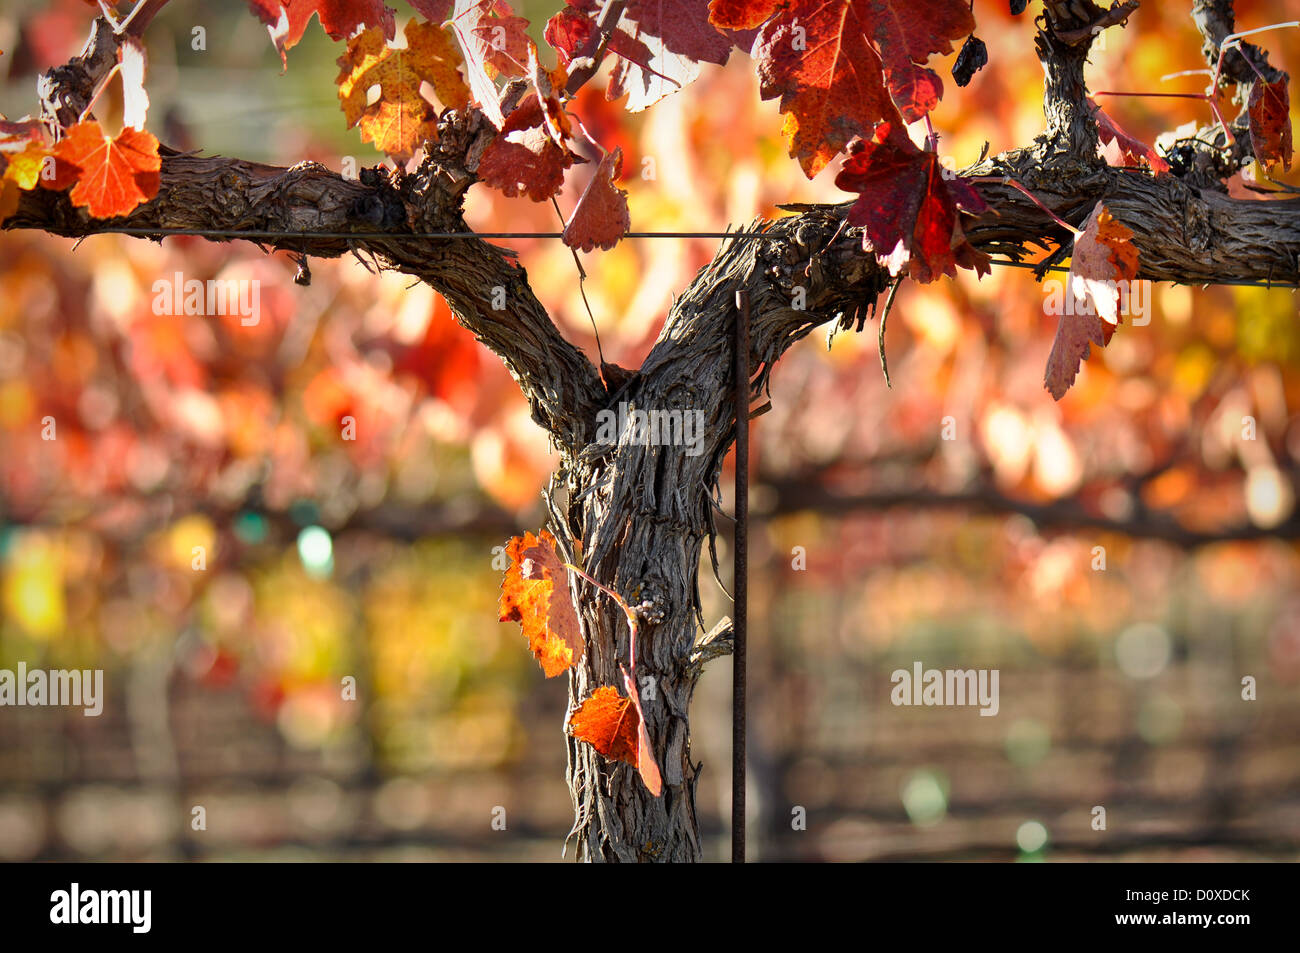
740,582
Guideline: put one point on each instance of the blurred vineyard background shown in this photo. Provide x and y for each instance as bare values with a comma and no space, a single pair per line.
373,558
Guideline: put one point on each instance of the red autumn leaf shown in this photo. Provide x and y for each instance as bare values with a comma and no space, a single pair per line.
570,31
1075,336
741,14
492,35
435,11
1269,111
613,726
1104,259
840,66
112,175
916,91
650,65
684,27
908,206
601,216
535,593
525,157
1132,151
287,19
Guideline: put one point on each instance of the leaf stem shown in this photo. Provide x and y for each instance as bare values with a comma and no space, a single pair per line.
627,610
1233,41
1008,180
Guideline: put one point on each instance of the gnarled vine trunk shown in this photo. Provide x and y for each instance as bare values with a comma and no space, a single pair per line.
641,511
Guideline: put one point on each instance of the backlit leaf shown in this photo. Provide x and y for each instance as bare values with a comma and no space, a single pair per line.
1104,258
601,216
1269,112
612,725
401,118
287,19
841,66
535,593
908,207
113,174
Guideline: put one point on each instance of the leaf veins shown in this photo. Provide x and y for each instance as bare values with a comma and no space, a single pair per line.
1104,257
908,206
535,593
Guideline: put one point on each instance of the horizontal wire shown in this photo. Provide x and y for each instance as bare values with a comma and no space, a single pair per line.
252,234
255,233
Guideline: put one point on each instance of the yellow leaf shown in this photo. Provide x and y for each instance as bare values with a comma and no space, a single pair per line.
24,167
401,119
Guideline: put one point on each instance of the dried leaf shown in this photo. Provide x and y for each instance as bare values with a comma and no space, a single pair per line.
601,216
1269,111
612,724
535,593
401,119
974,56
1104,256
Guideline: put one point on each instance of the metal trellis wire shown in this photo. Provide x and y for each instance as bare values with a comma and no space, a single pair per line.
266,234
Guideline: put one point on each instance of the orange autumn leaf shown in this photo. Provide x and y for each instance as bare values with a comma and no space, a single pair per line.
1102,267
401,119
1104,255
113,174
613,726
535,593
398,126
